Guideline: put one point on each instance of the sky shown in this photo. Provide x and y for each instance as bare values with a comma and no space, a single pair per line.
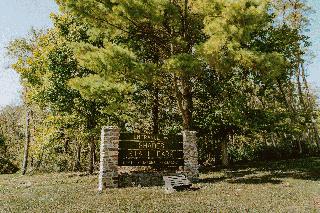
16,19
18,16
314,34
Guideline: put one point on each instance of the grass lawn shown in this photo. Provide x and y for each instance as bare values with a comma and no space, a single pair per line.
283,186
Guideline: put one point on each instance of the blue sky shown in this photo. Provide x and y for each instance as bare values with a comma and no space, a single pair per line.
16,19
18,16
314,68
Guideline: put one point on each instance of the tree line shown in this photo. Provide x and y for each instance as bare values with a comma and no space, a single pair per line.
234,71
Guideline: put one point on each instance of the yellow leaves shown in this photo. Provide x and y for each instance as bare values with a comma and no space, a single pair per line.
274,63
236,15
212,48
214,26
231,34
207,7
97,87
247,59
106,61
183,63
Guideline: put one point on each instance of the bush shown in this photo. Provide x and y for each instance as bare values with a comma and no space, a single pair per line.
6,167
248,149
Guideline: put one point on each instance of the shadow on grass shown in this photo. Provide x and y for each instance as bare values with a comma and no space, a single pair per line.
255,173
212,180
256,180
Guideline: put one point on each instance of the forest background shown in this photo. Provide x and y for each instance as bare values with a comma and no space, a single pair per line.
234,71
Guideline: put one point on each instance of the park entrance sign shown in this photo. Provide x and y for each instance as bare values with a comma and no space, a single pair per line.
162,152
159,151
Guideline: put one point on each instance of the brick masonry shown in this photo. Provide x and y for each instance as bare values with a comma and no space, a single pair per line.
108,174
190,152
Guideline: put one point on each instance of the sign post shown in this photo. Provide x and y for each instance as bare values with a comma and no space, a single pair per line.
108,174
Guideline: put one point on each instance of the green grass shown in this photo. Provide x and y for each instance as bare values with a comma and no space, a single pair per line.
284,186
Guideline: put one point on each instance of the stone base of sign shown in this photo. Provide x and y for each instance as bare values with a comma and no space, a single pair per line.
190,151
108,174
143,179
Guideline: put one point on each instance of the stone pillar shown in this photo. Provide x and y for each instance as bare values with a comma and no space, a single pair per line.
108,174
190,152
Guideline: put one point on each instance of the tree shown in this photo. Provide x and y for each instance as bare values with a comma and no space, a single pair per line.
166,32
11,138
27,143
239,42
46,65
230,66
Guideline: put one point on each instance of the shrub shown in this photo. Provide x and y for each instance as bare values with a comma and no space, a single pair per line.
6,167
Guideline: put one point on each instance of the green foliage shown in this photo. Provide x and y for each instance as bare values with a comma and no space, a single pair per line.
231,70
7,167
11,134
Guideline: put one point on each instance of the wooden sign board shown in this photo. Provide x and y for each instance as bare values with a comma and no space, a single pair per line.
150,150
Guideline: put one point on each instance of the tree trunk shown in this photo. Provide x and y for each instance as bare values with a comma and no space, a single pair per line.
27,143
184,99
91,160
77,165
300,92
187,104
183,85
91,125
316,132
38,164
217,153
94,154
155,110
224,152
299,146
274,144
66,145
